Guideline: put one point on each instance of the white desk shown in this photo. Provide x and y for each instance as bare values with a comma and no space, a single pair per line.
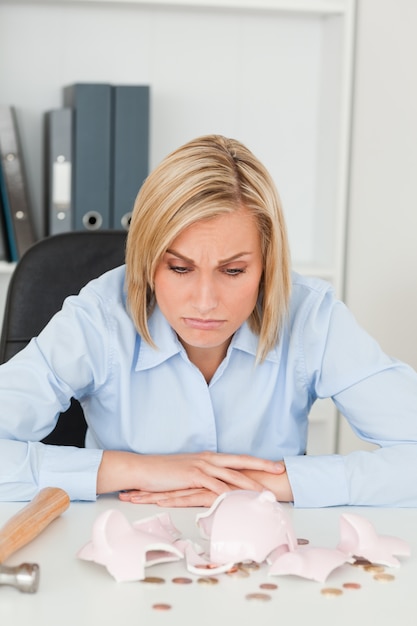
75,592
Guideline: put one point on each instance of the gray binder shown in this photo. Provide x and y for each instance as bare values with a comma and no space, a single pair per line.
58,170
13,187
131,149
92,143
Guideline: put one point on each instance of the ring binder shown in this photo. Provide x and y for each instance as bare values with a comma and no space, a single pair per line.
13,187
131,149
58,170
92,145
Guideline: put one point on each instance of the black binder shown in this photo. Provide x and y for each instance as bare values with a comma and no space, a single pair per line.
13,187
58,170
92,142
131,149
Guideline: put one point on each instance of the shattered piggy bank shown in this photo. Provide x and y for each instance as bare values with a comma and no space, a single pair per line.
246,525
240,526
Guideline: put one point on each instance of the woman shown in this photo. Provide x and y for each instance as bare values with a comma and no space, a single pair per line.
197,363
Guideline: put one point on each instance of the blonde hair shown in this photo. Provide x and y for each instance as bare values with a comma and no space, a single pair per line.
205,178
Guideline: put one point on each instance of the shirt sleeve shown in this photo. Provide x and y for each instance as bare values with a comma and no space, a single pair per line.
70,358
378,397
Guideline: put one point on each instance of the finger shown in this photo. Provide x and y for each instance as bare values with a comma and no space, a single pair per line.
230,478
126,496
244,461
159,495
203,498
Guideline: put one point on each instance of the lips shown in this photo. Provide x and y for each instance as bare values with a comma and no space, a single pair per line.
203,324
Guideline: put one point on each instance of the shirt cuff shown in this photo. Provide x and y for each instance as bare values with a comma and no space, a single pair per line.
72,469
317,481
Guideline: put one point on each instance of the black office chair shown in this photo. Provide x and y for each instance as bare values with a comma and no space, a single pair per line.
52,269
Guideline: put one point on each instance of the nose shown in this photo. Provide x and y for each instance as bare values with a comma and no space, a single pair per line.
205,298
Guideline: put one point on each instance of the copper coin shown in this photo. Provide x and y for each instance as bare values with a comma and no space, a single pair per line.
331,591
242,573
161,607
376,569
268,586
351,585
249,565
302,542
208,580
182,580
156,580
232,570
360,561
264,597
384,578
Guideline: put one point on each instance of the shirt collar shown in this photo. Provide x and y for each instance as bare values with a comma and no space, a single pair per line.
168,344
165,339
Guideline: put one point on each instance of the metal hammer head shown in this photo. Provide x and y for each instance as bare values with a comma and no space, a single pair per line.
24,577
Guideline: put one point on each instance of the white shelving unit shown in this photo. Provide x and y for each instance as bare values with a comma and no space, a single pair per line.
276,74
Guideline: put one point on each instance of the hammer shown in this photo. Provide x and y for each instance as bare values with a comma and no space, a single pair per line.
27,524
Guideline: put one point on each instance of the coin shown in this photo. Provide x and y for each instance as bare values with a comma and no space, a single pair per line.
182,580
376,569
302,542
268,586
384,578
249,565
153,579
331,591
208,580
351,585
264,597
242,573
161,607
232,570
360,561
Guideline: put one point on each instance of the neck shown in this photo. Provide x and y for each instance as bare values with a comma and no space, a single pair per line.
207,359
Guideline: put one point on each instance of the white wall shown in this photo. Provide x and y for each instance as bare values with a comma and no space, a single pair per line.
381,281
381,286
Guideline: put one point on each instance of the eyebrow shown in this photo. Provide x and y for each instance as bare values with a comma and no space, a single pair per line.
221,262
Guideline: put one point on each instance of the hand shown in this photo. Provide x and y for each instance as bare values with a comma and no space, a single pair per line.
278,483
211,471
171,499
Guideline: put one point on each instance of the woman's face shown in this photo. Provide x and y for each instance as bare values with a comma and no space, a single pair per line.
207,283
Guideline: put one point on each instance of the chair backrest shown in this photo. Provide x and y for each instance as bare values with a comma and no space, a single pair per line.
52,269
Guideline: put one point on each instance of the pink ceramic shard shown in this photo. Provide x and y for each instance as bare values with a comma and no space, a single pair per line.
358,537
245,525
160,525
199,563
308,562
126,549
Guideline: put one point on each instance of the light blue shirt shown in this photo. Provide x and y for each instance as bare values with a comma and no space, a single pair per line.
149,400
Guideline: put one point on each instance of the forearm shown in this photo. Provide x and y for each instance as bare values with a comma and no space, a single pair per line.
383,477
27,467
158,474
118,471
277,483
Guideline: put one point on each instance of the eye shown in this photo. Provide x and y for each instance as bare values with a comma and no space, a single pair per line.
234,271
179,269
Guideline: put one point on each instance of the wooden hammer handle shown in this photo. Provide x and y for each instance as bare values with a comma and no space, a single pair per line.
30,521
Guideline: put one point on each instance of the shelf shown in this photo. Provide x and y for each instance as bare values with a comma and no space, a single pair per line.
7,268
278,78
275,74
325,7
